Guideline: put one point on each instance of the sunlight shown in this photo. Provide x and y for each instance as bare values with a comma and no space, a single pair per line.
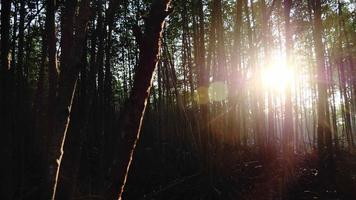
218,91
277,76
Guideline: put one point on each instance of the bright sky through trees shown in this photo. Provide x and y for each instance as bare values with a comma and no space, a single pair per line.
277,75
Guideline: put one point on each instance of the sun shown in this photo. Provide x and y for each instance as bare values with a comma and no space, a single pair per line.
277,76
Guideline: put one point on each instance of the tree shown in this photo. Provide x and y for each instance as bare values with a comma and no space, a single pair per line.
323,128
236,70
66,87
224,106
132,116
5,99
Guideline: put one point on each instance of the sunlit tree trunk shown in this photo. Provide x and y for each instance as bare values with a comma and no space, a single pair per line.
288,129
66,88
132,116
266,41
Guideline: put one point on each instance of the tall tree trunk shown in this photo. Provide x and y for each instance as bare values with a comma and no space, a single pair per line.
66,88
323,128
20,99
67,180
52,64
352,69
67,29
236,74
203,80
132,116
288,129
98,135
5,95
21,37
108,93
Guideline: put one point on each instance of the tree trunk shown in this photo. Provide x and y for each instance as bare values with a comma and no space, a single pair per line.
288,121
234,95
323,124
6,172
66,88
132,116
52,64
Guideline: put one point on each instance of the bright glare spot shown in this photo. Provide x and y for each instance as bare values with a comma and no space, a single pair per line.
218,91
202,95
277,76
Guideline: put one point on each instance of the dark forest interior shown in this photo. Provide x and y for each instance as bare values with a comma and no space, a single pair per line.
178,99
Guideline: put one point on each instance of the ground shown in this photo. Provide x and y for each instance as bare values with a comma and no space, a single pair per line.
244,176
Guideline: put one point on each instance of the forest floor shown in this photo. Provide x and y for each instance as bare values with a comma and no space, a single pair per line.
241,176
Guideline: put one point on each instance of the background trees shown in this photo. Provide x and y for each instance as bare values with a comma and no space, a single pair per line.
236,81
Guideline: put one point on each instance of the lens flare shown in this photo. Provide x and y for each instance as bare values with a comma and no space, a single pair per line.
277,76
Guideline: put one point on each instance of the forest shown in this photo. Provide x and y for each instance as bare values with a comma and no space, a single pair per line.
178,99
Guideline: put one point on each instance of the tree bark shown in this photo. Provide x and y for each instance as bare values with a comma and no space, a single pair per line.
52,64
132,117
323,124
234,96
6,172
66,88
288,121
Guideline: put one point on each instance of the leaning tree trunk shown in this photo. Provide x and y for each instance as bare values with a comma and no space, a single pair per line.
131,118
66,87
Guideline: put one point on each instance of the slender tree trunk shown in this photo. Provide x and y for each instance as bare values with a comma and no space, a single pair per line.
346,111
323,129
203,81
67,180
5,95
21,43
20,101
52,64
288,130
108,93
98,136
132,116
67,29
352,68
66,88
236,77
